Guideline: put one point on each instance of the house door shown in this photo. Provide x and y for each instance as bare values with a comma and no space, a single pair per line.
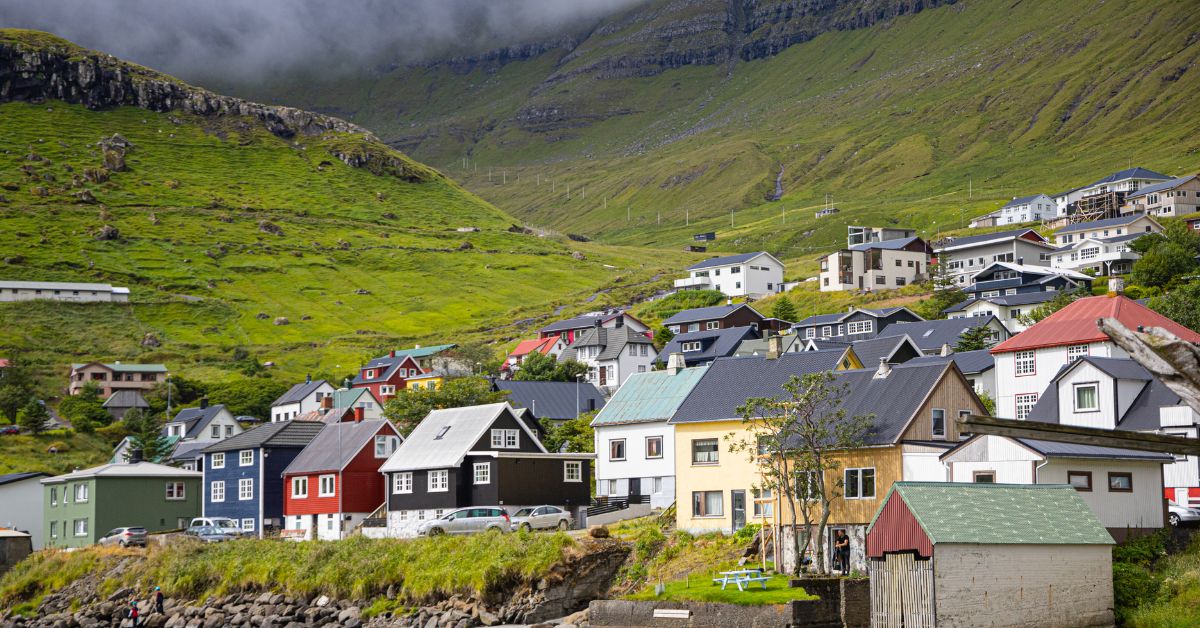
738,504
603,372
635,486
902,592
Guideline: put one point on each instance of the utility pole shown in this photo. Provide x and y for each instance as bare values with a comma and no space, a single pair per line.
504,176
687,217
568,191
489,174
627,214
731,217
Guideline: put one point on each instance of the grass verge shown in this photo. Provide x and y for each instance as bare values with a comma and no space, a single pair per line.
703,589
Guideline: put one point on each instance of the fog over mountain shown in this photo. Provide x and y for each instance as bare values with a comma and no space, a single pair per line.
242,40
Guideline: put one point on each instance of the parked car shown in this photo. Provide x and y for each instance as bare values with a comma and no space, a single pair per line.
9,430
542,518
124,537
1177,514
224,525
467,521
209,534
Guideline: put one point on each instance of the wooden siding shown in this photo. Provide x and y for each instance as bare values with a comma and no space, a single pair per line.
897,530
953,394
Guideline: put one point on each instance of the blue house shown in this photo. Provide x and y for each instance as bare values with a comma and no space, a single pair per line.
243,474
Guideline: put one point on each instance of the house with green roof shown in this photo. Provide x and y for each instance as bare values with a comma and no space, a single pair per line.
635,446
116,376
970,554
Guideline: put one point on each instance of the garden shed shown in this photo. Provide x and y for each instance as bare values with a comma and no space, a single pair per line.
959,554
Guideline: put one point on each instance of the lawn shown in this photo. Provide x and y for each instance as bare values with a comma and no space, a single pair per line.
30,453
701,588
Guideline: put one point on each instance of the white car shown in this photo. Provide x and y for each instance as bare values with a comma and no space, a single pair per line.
222,525
1177,514
542,518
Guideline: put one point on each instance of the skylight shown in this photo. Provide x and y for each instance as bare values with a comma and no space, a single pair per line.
442,433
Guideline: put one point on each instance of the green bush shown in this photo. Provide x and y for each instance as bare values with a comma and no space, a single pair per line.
1142,551
746,534
1133,586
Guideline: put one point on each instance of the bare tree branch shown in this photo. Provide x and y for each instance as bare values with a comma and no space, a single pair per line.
1171,359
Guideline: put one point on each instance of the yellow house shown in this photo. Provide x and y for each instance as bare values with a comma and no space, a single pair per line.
432,380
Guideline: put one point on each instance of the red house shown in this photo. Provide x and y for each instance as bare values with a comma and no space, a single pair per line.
335,482
386,375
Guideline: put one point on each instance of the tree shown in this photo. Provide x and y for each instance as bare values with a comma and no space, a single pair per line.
662,337
784,309
945,291
85,410
182,392
989,404
470,354
16,387
975,339
410,407
573,436
247,397
1181,305
1167,257
33,416
145,434
544,368
794,441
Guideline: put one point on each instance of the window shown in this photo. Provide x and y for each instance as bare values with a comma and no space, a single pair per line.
1014,313
215,432
387,390
1081,480
326,486
175,491
245,489
439,481
735,270
808,485
826,331
707,504
704,451
645,350
693,327
1087,397
616,449
899,281
899,263
385,445
1074,352
504,439
228,431
370,374
711,325
81,493
764,507
299,488
985,477
216,491
81,527
218,461
860,483
483,473
1026,363
572,471
54,529
247,525
402,483
245,457
1025,403
810,332
939,423
737,285
53,496
880,280
654,447
860,327
1120,482
688,347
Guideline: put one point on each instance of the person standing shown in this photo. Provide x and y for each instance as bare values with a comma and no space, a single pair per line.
841,547
158,600
133,612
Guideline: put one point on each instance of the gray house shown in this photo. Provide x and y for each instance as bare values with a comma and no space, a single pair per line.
968,255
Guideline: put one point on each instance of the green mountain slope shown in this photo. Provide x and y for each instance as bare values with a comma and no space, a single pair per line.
229,217
679,112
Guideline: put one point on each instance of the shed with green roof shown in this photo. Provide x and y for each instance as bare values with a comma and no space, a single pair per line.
964,554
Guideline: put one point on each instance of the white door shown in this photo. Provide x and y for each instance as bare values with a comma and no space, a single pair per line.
1181,497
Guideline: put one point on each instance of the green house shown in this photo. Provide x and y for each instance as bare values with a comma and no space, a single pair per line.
83,506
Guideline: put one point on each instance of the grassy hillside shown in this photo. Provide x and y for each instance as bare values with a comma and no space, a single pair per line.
925,120
223,227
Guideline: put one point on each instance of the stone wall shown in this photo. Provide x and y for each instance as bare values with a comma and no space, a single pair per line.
14,549
627,614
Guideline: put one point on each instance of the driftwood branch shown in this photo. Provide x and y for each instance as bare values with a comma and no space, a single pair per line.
1173,360
1097,436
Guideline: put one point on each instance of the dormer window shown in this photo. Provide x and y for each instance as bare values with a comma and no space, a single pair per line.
1087,397
370,373
688,347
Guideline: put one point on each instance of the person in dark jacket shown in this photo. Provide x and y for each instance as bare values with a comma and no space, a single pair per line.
841,546
158,600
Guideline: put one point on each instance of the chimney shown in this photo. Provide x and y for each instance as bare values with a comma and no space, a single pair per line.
884,369
619,322
135,456
1116,285
946,349
358,414
203,402
774,347
308,378
392,353
327,402
1021,261
729,301
675,363
597,323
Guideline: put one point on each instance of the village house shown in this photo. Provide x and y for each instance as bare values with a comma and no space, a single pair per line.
345,404
1123,487
110,378
1102,256
189,431
896,349
702,347
300,399
953,554
611,354
978,367
876,265
1177,197
56,291
722,317
1026,209
550,346
554,401
81,507
746,275
1007,279
1104,198
570,329
477,456
1133,224
966,256
635,444
863,235
386,375
21,505
940,336
855,324
1028,362
122,401
243,474
1008,309
788,342
335,483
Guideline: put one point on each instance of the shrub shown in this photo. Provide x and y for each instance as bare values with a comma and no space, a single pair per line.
1133,585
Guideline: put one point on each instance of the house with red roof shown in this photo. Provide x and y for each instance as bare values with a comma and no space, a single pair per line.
1027,363
550,346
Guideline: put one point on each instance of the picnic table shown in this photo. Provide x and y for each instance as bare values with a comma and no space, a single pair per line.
741,578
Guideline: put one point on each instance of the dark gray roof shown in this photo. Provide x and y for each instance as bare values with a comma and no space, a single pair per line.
281,434
551,400
825,319
728,259
931,335
298,392
196,419
1130,173
1100,224
1021,298
821,319
987,237
1054,449
1158,187
335,446
1142,414
1020,200
187,450
706,313
612,342
892,400
386,367
889,245
730,381
716,343
578,322
9,478
443,438
126,398
871,350
1119,368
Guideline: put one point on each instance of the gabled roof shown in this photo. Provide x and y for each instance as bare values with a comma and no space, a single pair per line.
728,382
424,352
648,397
335,446
931,335
1076,324
1141,415
1021,298
870,351
1117,368
1119,221
707,313
612,342
281,434
580,322
988,238
1053,449
1022,200
887,245
126,470
196,419
551,400
821,319
759,346
730,259
1129,173
298,392
969,362
386,367
443,438
999,514
825,319
892,401
716,343
126,398
56,285
10,478
187,450
1027,269
347,397
538,345
1159,187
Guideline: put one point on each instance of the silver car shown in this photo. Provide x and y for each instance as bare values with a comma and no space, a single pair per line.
125,537
542,518
224,525
467,521
1177,514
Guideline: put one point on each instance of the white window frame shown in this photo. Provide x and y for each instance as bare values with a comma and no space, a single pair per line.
1025,363
329,479
858,474
506,438
612,442
1075,388
248,525
214,432
176,491
245,457
690,346
81,530
81,492
216,491
439,481
711,325
217,461
860,327
245,489
481,472
1024,402
716,454
389,446
402,483
1074,352
387,389
704,502
660,447
572,471
300,487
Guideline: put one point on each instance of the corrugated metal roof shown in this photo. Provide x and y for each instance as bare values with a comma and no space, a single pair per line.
1055,449
443,438
552,400
126,470
963,241
55,285
932,335
999,514
1076,324
1100,224
716,343
653,396
335,446
728,259
126,398
9,478
706,313
298,392
281,434
969,362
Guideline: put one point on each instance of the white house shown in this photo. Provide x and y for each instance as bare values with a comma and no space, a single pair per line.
876,265
1177,197
634,444
21,504
1026,209
300,399
1123,487
190,430
746,275
1008,308
58,291
968,255
1132,224
612,355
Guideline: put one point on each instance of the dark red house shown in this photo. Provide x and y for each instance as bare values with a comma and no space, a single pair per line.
335,482
386,375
